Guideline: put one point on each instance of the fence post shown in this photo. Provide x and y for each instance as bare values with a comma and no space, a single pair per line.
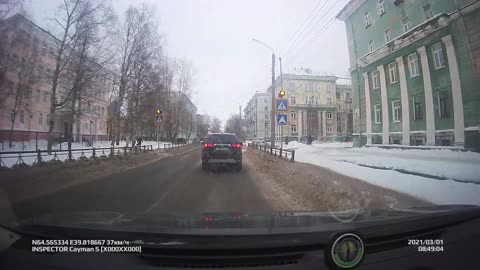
144,148
293,156
125,151
39,157
280,152
70,157
93,153
36,140
111,151
271,150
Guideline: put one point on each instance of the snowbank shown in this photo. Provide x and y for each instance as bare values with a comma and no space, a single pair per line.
457,167
11,159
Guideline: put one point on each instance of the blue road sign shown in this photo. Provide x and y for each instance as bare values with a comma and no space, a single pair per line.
159,119
281,105
282,119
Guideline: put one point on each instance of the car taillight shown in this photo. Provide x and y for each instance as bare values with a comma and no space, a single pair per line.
207,145
235,145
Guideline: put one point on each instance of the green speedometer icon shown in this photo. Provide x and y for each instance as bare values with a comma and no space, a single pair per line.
347,251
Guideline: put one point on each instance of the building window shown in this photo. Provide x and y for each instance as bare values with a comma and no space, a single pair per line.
427,11
370,46
293,129
292,100
45,97
103,111
443,103
378,114
37,96
293,114
22,117
392,71
413,65
329,129
388,35
367,19
266,124
329,115
329,89
266,108
40,119
316,100
339,117
339,129
310,114
266,116
396,111
417,108
438,61
291,86
48,120
309,87
406,24
381,8
375,79
329,101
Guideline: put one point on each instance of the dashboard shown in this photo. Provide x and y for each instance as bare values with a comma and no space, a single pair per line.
438,242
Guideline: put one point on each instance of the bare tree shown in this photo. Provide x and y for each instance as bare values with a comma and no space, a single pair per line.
216,125
70,14
86,76
139,22
234,125
8,7
21,59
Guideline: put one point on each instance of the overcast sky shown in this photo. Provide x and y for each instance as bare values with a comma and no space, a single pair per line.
216,35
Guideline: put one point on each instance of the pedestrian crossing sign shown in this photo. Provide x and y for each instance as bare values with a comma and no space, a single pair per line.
159,119
281,105
282,119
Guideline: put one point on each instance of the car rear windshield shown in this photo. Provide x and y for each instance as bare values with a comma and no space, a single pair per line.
222,138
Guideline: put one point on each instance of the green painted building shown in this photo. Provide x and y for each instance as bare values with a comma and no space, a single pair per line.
415,67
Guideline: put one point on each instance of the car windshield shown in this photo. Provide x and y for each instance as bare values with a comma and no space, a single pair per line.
222,139
117,112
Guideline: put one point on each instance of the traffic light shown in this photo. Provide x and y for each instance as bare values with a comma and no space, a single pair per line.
281,94
158,111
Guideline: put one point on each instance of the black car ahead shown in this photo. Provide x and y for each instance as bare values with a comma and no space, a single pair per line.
222,149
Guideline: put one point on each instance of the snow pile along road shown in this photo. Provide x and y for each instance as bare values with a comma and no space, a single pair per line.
442,176
10,160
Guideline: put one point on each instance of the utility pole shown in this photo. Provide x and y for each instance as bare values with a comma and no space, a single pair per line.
272,130
281,88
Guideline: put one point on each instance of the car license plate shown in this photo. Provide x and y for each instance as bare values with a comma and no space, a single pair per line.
222,149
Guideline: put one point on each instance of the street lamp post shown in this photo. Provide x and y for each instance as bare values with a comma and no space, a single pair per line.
272,114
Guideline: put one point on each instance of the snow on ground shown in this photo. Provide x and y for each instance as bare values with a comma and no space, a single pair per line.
11,159
457,167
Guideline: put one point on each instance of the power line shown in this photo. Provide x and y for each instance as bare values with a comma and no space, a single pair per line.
312,15
317,23
329,23
322,30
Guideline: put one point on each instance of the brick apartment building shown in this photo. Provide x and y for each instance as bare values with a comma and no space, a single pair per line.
22,41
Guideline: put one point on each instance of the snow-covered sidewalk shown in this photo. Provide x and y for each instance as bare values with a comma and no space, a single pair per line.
11,159
454,177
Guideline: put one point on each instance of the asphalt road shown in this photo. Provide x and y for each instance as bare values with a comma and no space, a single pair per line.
176,184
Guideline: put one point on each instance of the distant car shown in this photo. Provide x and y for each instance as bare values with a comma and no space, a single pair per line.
181,140
222,149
